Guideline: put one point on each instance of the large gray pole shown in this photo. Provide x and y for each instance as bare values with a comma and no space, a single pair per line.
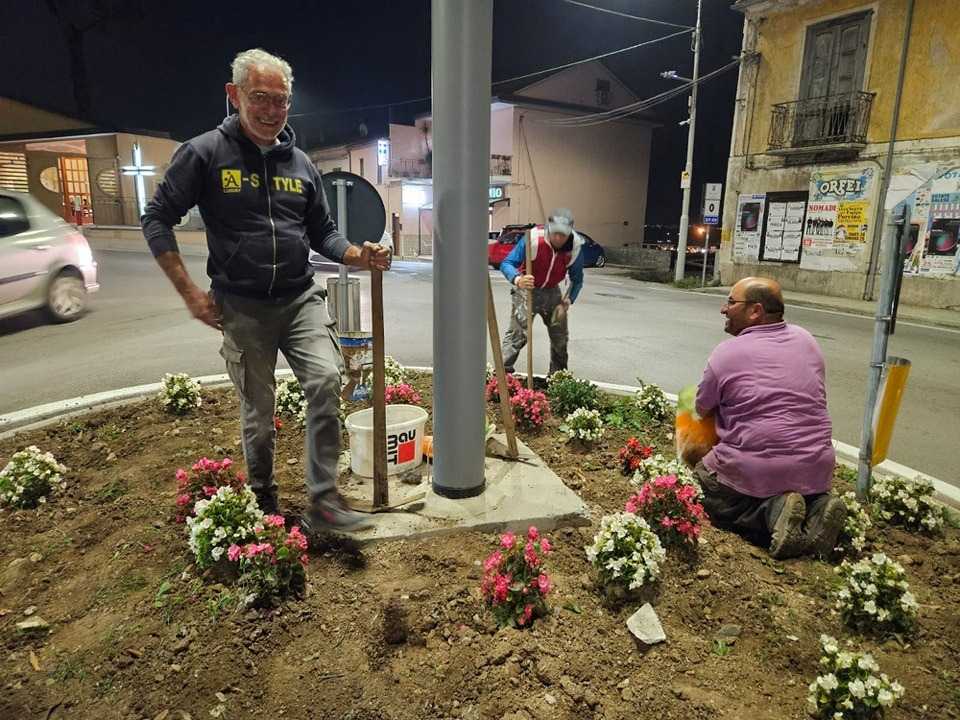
685,212
462,40
343,283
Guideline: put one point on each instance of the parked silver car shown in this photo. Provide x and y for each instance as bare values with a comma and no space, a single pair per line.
44,262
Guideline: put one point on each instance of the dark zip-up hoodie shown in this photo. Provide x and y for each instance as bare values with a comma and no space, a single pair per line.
262,211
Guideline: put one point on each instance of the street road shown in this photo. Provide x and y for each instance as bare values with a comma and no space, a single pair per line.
138,329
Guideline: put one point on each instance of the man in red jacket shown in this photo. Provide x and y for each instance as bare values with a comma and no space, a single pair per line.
555,250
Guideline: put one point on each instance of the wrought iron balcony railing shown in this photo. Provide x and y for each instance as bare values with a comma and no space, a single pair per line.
821,122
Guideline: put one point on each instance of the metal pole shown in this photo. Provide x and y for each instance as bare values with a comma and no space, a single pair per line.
685,212
892,227
462,40
872,268
343,282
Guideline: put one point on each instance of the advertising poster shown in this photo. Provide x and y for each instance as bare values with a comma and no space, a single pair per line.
746,236
933,248
837,224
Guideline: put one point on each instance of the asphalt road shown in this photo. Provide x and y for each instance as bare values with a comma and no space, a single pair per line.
138,329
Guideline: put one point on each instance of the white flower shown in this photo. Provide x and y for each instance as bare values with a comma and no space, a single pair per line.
885,698
857,689
828,682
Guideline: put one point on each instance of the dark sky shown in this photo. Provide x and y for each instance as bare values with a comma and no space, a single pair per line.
162,65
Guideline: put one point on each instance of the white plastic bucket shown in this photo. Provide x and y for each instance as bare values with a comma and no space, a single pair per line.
405,424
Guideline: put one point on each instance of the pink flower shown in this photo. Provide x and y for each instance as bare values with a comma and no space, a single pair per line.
543,583
532,533
493,562
667,521
545,546
530,555
296,539
182,477
665,481
225,463
183,500
501,584
209,490
304,559
507,540
632,505
527,614
233,552
274,520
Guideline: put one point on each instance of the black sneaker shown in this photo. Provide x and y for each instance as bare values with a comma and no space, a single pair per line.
787,539
331,514
824,527
267,502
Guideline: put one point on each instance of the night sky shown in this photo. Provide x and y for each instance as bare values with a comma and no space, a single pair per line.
162,65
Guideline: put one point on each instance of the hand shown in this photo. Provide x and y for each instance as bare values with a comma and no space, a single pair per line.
202,307
524,282
567,304
374,257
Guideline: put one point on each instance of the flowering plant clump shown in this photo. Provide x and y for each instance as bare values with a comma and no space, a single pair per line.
907,502
493,389
272,564
632,455
672,509
626,552
514,584
568,393
652,402
848,688
393,372
230,517
657,465
583,424
875,595
180,393
402,394
205,477
853,537
290,399
530,409
29,477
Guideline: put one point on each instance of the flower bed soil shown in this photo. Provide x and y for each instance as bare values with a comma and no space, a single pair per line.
397,630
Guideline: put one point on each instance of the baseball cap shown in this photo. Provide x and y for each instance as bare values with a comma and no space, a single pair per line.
560,221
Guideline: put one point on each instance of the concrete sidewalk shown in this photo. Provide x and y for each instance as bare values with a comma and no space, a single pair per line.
908,313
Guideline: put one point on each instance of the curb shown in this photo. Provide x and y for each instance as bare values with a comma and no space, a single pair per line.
42,415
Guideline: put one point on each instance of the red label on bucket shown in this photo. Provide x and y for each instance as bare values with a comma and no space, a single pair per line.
401,447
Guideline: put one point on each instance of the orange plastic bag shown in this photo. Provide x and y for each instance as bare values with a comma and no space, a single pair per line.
695,435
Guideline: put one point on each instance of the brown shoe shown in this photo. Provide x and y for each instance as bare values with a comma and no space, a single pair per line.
787,539
824,528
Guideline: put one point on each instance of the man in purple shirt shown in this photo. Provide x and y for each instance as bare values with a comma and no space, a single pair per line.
771,469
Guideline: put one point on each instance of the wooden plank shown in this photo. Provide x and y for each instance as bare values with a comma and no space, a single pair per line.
506,411
529,271
381,492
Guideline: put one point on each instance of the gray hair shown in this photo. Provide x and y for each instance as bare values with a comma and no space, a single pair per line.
255,58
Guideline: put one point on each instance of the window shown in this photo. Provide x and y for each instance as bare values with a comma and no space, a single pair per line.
13,218
361,168
603,92
13,171
834,56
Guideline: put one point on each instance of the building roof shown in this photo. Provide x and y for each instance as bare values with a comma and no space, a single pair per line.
24,121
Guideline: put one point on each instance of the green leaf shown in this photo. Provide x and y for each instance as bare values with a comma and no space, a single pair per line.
573,607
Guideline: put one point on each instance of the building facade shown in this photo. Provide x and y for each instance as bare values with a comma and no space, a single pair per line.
599,171
812,127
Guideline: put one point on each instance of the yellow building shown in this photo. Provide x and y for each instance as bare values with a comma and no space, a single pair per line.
812,127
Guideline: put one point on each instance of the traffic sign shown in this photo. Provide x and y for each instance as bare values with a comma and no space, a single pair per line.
712,195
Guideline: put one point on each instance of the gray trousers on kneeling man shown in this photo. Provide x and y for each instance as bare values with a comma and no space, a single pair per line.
254,330
545,301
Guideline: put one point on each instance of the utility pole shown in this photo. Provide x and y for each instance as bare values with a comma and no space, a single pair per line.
688,173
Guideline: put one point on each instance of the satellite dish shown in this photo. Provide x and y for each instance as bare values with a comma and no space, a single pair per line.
366,215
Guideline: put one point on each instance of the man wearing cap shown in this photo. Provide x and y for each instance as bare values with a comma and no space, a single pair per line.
555,253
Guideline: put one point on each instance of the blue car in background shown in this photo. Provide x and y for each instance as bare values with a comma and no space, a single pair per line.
593,252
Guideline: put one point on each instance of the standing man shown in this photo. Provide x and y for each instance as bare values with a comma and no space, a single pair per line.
772,467
555,251
264,208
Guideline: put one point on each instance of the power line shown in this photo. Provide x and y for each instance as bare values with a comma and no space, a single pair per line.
627,15
501,82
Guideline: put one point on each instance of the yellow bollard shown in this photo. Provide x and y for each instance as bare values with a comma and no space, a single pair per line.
892,385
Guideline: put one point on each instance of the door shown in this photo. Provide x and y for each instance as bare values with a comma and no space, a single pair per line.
75,182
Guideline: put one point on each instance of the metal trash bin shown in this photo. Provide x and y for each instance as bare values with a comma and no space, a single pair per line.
351,320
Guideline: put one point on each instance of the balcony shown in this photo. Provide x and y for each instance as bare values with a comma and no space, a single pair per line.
830,125
501,166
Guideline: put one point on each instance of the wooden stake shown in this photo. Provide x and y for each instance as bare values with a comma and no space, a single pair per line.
381,494
506,412
529,271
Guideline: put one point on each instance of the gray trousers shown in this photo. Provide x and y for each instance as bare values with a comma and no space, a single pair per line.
299,327
545,300
744,513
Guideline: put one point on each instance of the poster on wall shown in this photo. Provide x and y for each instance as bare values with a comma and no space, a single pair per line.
746,235
783,229
837,222
933,248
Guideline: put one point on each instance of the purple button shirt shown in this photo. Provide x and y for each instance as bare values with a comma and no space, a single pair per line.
766,388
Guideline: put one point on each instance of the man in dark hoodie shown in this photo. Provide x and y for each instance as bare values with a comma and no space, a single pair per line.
264,208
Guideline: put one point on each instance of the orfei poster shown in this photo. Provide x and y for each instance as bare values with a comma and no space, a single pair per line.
836,229
746,235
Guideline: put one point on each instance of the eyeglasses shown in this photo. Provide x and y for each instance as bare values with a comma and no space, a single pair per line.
734,302
262,99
